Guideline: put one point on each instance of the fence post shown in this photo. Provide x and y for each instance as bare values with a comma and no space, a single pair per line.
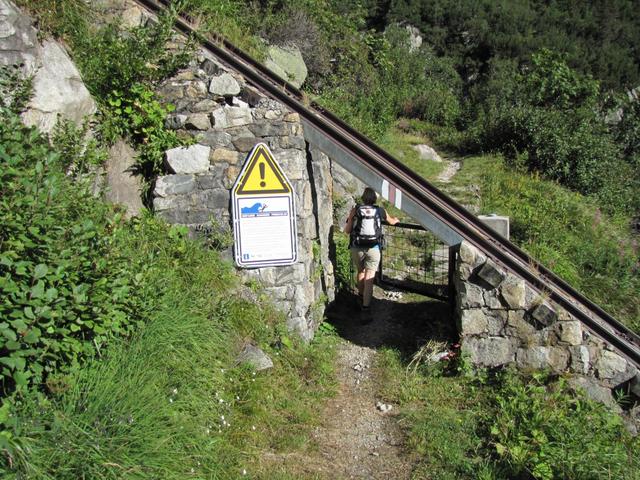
453,253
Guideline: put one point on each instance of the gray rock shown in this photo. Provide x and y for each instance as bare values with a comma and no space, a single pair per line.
213,199
613,369
174,185
251,96
512,291
491,299
245,144
176,122
580,359
415,39
490,273
219,118
544,314
270,129
57,90
207,105
287,63
198,121
209,181
570,332
498,223
256,357
594,391
540,357
473,322
518,327
488,352
496,322
470,296
196,89
210,67
425,152
224,85
123,187
193,159
215,139
18,39
238,116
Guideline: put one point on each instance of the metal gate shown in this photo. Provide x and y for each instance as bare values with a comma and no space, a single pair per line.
415,260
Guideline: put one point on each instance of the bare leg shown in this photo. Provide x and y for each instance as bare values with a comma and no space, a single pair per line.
361,282
367,291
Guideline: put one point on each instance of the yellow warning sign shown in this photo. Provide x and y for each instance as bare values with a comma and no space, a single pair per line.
261,175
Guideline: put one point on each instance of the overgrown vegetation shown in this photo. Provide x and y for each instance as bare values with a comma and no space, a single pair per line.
565,231
121,68
118,339
486,425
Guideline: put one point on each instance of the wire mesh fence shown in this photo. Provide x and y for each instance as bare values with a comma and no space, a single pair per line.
415,260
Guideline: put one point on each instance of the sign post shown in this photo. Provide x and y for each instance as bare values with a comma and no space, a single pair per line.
264,214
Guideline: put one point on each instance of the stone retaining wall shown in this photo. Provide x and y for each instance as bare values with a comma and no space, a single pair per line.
226,118
503,321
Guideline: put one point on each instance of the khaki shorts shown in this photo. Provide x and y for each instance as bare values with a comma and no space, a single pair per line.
369,258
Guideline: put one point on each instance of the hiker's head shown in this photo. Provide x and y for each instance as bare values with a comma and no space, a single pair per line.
369,196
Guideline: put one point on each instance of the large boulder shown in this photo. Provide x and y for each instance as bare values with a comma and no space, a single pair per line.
287,62
18,38
57,90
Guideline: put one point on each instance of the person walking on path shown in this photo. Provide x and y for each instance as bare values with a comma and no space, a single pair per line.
364,225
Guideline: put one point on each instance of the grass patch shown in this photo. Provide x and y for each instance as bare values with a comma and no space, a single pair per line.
401,144
170,402
564,230
494,425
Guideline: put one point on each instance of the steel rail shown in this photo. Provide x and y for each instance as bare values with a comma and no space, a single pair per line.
421,191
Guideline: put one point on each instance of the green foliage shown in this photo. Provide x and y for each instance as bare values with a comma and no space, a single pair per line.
171,401
491,425
15,90
540,429
137,113
343,264
78,151
65,290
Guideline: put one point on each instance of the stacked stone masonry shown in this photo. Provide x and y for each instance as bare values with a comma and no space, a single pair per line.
503,321
226,118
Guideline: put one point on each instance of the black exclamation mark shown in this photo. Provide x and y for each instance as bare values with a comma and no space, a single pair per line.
262,183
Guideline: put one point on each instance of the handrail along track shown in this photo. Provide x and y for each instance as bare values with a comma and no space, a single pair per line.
422,192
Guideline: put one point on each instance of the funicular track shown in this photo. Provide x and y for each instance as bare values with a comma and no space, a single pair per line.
429,198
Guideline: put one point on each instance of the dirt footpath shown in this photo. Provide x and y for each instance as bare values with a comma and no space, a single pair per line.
360,437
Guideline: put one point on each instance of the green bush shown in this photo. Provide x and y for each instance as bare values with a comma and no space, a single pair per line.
64,289
543,430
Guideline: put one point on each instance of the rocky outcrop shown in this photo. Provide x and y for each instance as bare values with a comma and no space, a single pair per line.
58,89
122,185
287,62
502,321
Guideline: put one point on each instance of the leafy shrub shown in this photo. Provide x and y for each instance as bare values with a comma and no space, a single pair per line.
544,431
64,290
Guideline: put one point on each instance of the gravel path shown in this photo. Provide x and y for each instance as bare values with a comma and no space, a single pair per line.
450,170
360,437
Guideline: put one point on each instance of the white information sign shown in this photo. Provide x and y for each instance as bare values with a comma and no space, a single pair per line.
264,214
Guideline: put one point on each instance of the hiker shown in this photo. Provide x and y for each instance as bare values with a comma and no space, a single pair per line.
364,224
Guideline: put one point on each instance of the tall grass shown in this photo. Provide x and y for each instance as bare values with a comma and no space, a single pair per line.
171,402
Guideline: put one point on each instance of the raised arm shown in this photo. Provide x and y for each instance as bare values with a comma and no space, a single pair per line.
391,220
